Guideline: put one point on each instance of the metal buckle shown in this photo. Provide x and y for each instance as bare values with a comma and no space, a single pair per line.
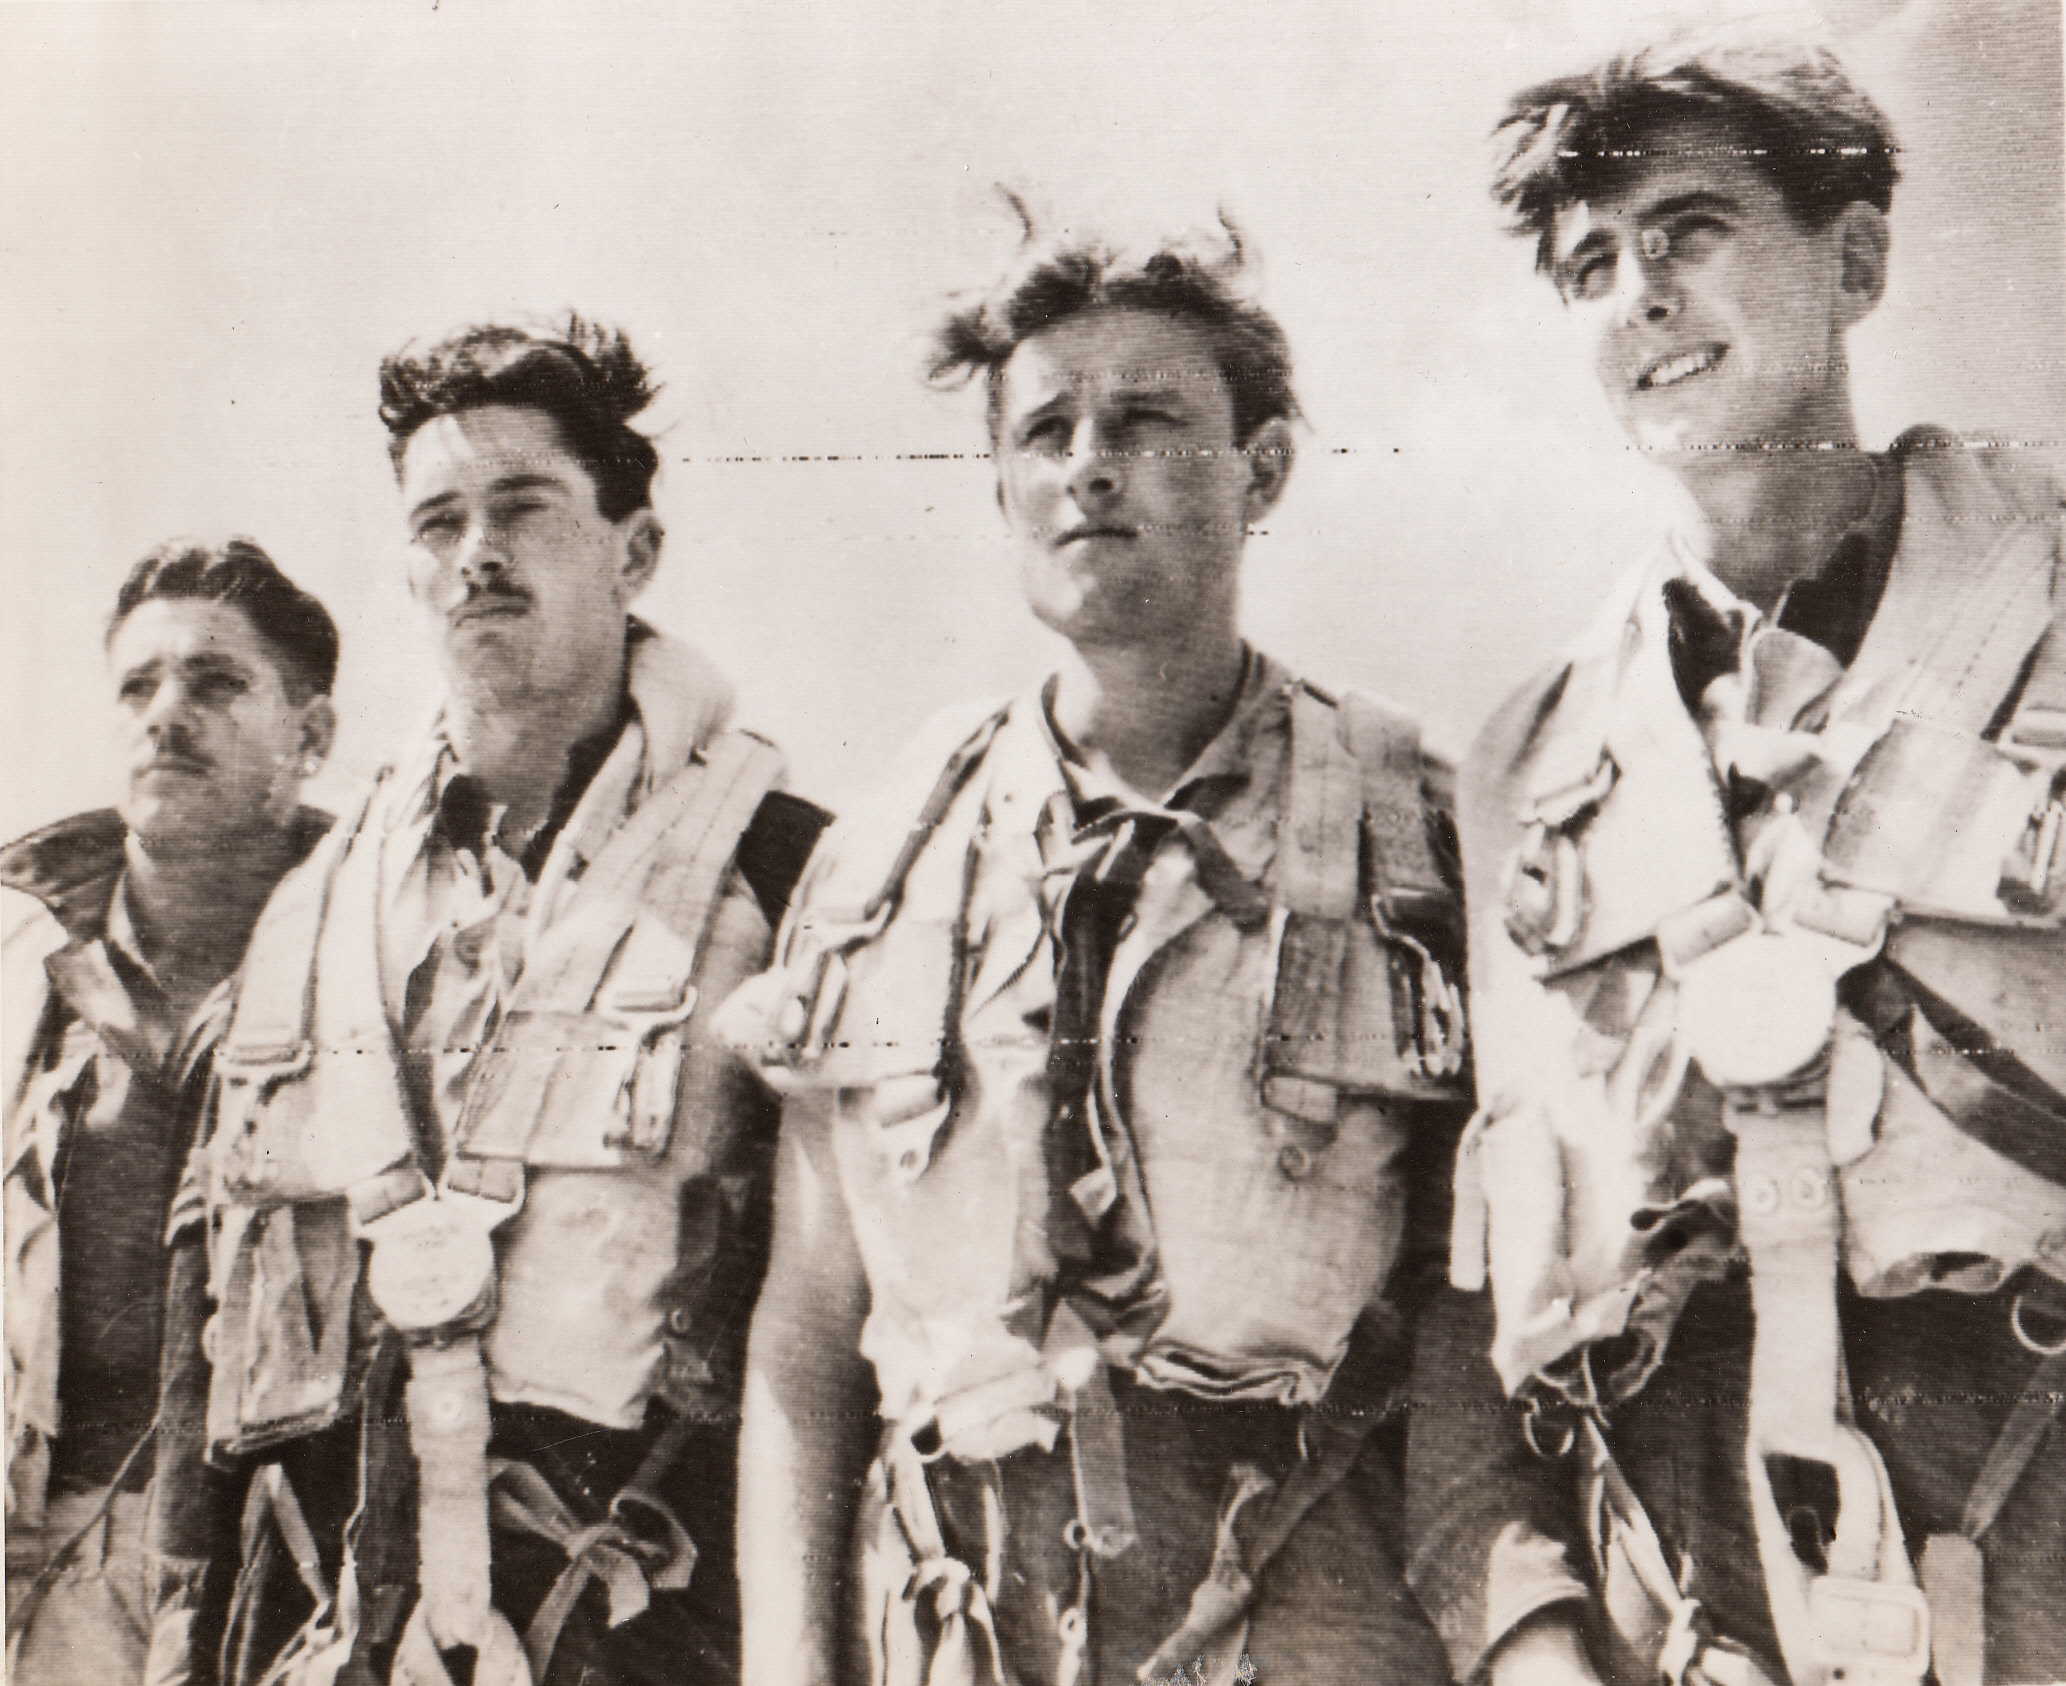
1871,1631
433,1262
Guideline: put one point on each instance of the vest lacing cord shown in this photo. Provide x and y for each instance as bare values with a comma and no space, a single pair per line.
640,1548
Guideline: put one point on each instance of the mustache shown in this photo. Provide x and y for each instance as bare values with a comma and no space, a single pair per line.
494,595
174,757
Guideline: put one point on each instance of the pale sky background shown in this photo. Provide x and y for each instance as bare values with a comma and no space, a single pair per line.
215,218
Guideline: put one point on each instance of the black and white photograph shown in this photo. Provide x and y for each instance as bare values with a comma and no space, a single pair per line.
1069,845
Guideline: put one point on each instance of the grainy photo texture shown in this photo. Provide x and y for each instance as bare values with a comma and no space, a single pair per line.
986,846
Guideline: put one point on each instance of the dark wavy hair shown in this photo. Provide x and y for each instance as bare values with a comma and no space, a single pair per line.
295,626
1787,107
1201,279
584,376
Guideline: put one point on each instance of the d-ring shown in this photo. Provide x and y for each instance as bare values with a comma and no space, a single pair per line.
2030,1341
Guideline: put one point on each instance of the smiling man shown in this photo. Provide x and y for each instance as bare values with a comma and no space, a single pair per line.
1765,881
121,926
487,1200
1111,1034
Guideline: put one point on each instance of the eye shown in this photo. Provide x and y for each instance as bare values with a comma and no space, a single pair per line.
136,689
1049,434
437,529
1694,236
218,687
1592,279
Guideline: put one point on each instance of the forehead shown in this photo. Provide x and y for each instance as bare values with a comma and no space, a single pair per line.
1679,162
1110,354
176,630
472,449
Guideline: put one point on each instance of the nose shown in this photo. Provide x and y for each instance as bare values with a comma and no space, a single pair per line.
1095,469
167,718
482,553
1650,288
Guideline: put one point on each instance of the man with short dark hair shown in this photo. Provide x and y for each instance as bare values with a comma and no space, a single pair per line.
1111,1032
1766,955
122,927
488,1202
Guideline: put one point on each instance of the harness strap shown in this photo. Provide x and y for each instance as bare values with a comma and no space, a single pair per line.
1982,1087
632,1562
964,1648
1332,1436
1863,1621
1952,1569
268,1037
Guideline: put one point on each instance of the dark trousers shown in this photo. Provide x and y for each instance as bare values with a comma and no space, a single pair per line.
1333,1603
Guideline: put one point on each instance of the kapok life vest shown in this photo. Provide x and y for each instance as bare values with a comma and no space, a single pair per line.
1595,1189
1268,1066
624,1123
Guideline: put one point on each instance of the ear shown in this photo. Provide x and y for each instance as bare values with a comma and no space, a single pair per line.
1270,450
318,731
1862,238
642,539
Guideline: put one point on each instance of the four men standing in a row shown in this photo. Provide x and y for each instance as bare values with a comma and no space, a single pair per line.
1093,1271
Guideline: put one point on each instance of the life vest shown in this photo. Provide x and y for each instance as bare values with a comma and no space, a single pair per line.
1834,1057
1281,1031
601,1109
1925,829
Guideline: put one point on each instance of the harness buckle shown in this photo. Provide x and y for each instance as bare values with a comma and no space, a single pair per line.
1870,1633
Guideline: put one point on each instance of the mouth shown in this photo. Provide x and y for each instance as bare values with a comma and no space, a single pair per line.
1093,530
177,766
1683,366
496,605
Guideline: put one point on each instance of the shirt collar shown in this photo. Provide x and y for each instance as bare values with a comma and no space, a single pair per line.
1221,771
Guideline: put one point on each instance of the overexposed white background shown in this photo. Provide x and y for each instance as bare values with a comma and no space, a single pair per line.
215,218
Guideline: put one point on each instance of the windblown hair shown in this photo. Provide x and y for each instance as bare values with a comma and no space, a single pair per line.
238,574
584,376
1787,107
1200,279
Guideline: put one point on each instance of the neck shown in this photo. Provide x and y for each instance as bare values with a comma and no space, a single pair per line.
1148,712
1772,518
193,905
520,753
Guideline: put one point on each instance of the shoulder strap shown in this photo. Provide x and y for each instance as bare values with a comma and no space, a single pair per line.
269,1032
1386,745
960,768
682,840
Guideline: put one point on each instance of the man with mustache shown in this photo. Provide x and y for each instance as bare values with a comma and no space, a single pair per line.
1766,959
488,1203
122,927
1112,1035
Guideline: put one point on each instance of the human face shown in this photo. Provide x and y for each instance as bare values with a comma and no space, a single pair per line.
216,749
1716,317
523,582
1127,497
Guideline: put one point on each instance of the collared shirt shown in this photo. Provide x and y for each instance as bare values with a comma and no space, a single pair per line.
118,1083
1001,869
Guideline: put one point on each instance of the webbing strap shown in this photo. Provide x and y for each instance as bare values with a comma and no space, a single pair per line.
447,1402
1952,1569
276,998
676,845
1790,1221
1317,843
